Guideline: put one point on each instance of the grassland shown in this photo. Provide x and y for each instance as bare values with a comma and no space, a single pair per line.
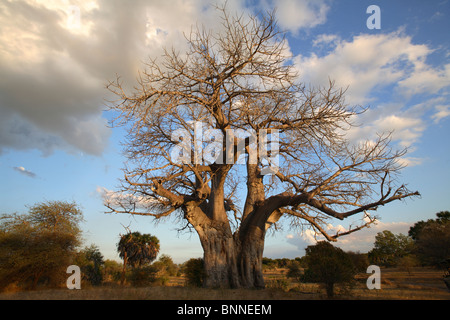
419,284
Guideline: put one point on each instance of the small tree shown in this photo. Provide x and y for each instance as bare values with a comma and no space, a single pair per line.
295,270
328,265
432,239
433,244
112,271
38,246
360,260
137,249
389,248
193,269
91,261
166,265
443,217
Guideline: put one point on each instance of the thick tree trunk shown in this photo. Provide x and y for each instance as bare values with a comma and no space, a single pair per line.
220,259
250,262
232,259
231,262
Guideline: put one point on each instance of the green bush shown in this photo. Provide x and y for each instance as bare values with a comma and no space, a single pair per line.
295,270
194,271
143,276
328,265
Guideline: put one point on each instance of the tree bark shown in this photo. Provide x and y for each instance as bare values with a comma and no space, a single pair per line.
250,258
329,287
124,268
231,262
220,259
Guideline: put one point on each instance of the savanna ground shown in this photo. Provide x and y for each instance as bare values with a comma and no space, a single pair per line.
396,284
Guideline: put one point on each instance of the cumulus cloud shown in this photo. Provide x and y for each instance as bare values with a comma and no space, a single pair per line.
46,95
125,200
25,172
294,15
442,111
370,62
56,57
384,71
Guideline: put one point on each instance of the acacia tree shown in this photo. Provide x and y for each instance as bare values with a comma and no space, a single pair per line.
239,78
39,245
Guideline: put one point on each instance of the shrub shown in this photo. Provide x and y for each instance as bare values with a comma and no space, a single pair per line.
328,265
143,276
194,271
294,270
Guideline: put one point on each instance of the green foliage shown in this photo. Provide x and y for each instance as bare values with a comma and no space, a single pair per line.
390,248
143,276
56,216
328,265
295,270
268,263
138,249
433,244
194,271
443,217
166,266
432,239
360,260
90,260
111,271
37,247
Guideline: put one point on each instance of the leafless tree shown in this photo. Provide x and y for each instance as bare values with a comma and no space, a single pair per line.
239,77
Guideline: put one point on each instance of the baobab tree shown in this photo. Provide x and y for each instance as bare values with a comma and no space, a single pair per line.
193,121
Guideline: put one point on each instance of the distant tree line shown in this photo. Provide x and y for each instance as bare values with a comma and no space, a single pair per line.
36,248
427,244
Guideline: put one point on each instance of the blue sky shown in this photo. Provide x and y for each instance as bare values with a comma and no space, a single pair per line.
57,56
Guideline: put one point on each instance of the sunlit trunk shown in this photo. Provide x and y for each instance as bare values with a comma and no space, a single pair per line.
231,262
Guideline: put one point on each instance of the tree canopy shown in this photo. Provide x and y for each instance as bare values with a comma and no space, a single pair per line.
328,265
39,245
227,138
138,249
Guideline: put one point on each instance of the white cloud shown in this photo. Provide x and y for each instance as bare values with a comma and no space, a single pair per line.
425,79
406,130
25,172
53,73
384,71
410,161
56,57
117,198
366,63
442,111
294,15
326,39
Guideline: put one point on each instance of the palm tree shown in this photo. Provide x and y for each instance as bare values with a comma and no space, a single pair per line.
137,249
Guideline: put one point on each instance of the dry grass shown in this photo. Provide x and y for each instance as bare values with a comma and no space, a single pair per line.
152,293
420,283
